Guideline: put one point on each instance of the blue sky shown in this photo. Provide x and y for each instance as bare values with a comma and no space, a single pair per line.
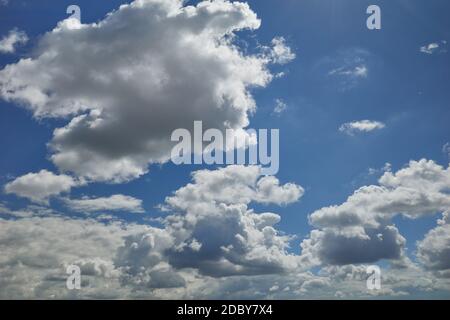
405,89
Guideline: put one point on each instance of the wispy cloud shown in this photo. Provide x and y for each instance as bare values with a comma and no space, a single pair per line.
358,71
346,68
14,38
446,150
117,202
434,47
280,106
351,128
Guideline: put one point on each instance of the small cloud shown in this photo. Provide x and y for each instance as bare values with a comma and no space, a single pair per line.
279,75
446,150
386,168
434,47
117,202
280,106
351,128
360,71
280,53
14,38
346,69
39,187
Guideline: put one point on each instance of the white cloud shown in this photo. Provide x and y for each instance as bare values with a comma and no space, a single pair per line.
351,128
234,184
360,71
36,251
280,53
434,47
207,231
14,38
434,250
128,81
446,150
429,49
347,68
39,187
280,106
208,247
213,211
360,230
117,202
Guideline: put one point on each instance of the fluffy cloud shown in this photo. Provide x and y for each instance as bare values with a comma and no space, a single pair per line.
434,250
279,52
218,234
351,128
129,80
210,241
37,250
117,202
360,230
39,187
234,184
209,232
14,38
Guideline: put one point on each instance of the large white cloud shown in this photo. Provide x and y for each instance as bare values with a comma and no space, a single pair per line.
216,232
129,80
361,230
208,232
39,187
234,184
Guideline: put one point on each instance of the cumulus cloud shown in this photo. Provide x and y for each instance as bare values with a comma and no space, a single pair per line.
128,81
231,238
207,232
37,250
235,184
39,187
14,38
209,242
117,202
351,128
434,250
361,230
